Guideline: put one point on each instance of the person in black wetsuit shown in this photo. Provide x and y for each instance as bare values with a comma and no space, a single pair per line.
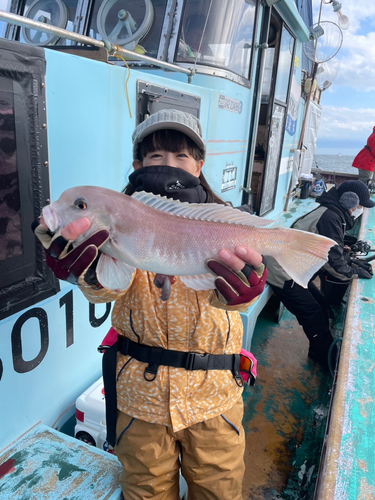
337,211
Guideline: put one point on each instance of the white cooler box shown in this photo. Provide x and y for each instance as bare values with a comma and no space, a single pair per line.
90,421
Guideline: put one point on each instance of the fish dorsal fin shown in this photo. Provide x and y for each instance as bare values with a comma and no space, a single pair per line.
200,211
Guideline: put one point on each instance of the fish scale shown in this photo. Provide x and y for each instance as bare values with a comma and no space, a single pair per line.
165,236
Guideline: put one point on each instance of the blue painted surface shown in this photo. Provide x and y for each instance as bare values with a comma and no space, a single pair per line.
288,10
89,128
88,112
47,465
43,393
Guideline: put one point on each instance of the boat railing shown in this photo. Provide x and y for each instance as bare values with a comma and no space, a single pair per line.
111,48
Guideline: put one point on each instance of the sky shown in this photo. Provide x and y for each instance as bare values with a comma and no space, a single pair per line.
348,105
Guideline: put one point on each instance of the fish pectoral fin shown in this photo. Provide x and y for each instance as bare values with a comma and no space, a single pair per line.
199,211
199,282
114,274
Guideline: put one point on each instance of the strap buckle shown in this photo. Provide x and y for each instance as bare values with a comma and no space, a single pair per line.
150,372
239,380
236,370
102,348
155,361
197,361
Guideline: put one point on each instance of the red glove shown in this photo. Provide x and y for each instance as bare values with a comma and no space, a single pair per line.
72,265
238,287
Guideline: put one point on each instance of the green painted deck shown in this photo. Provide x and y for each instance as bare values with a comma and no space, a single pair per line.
285,412
47,465
292,448
348,468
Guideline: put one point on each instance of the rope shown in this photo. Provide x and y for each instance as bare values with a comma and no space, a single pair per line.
339,339
119,56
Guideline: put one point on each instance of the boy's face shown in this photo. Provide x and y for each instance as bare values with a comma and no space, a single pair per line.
181,159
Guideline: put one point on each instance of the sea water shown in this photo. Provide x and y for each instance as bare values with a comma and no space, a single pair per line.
335,163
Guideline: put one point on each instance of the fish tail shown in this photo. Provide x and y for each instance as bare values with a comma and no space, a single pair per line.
304,255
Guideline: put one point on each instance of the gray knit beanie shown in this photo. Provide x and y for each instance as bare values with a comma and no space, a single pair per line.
360,189
169,119
349,200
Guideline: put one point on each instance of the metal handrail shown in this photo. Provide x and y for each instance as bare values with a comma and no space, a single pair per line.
86,40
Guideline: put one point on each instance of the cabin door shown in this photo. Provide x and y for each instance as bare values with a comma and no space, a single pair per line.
272,117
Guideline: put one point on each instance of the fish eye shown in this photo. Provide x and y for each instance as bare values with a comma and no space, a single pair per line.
81,204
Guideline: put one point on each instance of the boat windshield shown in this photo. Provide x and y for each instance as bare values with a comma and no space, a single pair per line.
218,33
133,25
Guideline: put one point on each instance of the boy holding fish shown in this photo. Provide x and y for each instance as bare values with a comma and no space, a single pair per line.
173,364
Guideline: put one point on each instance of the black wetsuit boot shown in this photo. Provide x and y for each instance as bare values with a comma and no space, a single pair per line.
308,306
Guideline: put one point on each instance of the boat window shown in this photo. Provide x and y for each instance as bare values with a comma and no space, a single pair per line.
272,117
267,75
4,5
284,67
10,206
273,37
218,33
60,13
132,25
24,181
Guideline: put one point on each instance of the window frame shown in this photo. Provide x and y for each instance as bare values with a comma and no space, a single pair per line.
210,69
275,102
32,281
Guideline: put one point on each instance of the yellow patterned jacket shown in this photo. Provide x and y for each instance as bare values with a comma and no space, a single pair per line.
188,321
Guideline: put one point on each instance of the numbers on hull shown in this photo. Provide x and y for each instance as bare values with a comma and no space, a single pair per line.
21,365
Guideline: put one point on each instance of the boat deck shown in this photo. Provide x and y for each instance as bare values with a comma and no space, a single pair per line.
348,466
287,420
285,412
47,465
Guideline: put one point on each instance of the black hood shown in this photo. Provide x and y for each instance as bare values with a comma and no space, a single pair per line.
330,199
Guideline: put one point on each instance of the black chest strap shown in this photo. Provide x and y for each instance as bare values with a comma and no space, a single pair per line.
155,357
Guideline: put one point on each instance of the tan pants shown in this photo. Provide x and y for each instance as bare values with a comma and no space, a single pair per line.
211,455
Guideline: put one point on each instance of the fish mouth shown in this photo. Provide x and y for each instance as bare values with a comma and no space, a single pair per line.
51,218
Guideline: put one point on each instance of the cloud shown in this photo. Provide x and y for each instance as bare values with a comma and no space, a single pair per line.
344,127
357,68
357,53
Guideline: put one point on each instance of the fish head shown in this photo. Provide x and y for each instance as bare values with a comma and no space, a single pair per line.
75,203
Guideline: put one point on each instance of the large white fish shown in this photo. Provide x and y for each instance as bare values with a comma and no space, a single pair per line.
165,236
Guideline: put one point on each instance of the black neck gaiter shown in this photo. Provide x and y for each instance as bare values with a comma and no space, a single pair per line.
170,182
